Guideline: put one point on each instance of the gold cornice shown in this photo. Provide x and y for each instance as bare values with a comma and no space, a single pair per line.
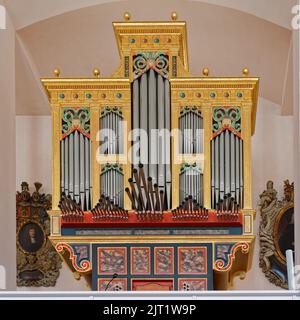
150,28
52,84
210,83
154,239
82,83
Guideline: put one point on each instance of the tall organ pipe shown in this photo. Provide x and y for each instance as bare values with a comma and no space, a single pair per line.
143,121
82,165
76,166
167,150
151,110
152,125
136,122
227,168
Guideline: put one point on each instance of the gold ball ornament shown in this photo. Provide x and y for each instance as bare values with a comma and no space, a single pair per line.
127,16
56,72
96,72
205,72
245,71
174,16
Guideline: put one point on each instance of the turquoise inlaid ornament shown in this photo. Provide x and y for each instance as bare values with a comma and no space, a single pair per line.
212,95
156,40
88,95
62,96
119,95
239,95
157,61
232,117
182,95
132,40
75,118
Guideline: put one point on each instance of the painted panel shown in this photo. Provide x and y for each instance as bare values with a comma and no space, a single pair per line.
112,260
192,260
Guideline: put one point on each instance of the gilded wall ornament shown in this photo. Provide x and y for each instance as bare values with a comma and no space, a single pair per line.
276,232
38,263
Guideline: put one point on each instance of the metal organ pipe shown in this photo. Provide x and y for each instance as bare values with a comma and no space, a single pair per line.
151,111
87,172
152,125
62,166
191,142
71,165
76,168
191,183
143,119
82,166
136,124
167,150
226,168
111,181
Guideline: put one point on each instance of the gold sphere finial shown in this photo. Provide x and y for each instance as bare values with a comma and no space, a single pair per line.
56,72
127,16
96,72
174,16
205,72
245,71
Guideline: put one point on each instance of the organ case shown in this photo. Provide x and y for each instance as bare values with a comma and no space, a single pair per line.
189,136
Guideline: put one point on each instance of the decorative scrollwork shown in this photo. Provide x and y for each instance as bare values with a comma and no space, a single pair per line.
274,232
75,119
38,263
222,264
224,117
143,62
80,265
187,167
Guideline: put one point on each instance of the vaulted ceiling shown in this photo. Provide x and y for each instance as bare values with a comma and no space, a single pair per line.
77,35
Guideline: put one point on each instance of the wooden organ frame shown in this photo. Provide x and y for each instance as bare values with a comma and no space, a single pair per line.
204,92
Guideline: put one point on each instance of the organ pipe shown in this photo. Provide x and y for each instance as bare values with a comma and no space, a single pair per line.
76,179
226,168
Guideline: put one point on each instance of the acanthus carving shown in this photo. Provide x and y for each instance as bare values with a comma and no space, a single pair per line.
270,207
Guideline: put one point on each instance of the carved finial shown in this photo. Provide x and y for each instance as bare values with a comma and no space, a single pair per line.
127,16
174,16
205,72
56,72
96,72
38,186
245,72
289,191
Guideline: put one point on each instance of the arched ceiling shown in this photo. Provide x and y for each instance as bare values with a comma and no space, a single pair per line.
223,39
25,13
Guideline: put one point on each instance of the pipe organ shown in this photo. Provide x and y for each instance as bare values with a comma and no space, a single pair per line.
151,168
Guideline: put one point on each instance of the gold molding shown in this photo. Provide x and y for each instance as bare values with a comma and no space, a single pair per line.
175,31
247,86
154,239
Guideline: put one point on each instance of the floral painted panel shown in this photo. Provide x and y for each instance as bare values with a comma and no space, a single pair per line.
112,260
192,284
105,284
192,260
140,260
164,260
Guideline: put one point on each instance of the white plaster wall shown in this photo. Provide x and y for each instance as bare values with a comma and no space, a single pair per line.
272,159
7,157
34,151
